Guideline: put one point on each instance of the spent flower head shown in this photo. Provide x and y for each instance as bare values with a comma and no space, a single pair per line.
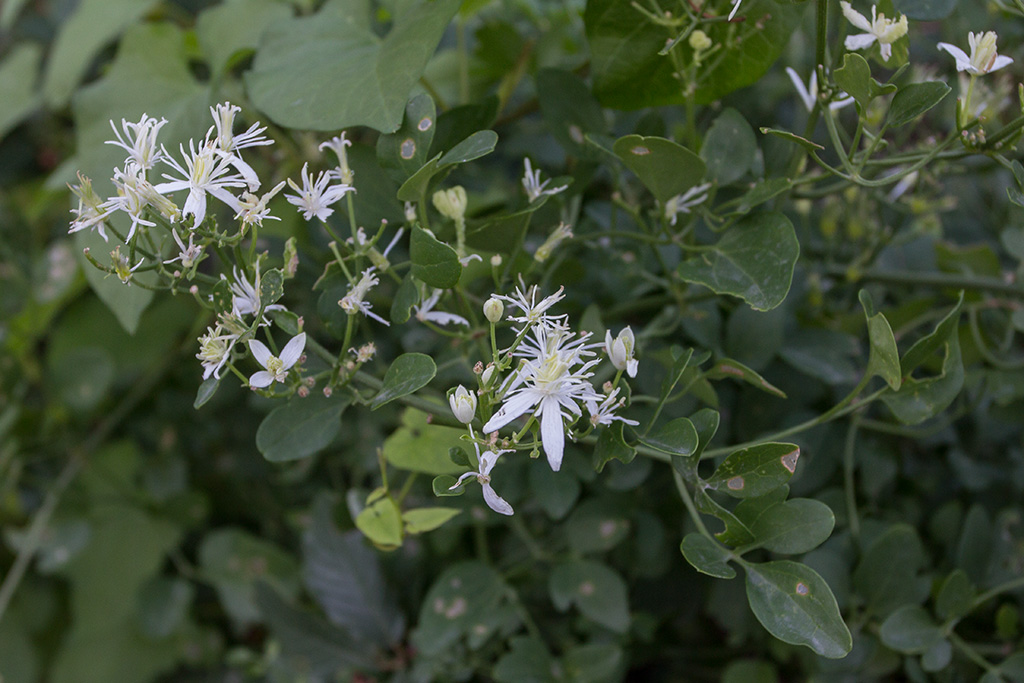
535,189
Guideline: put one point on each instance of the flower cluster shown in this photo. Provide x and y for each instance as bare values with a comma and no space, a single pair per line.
550,384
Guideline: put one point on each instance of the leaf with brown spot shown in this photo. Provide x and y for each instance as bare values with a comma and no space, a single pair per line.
755,471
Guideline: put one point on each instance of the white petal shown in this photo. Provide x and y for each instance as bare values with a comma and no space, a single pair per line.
496,502
855,18
859,41
963,62
261,379
633,364
513,408
292,351
461,479
552,432
1001,61
445,318
885,49
260,352
801,90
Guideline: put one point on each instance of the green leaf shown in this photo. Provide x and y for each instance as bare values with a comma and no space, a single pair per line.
910,630
409,372
206,391
921,399
597,591
271,286
886,576
665,167
755,471
92,25
230,29
433,261
570,111
18,72
442,486
729,368
925,10
596,662
612,446
730,148
884,357
479,144
808,145
526,660
914,99
407,149
932,342
301,427
796,606
407,296
344,575
678,437
736,532
466,595
422,520
596,526
418,446
163,604
330,70
753,261
956,596
381,522
706,556
937,657
854,76
705,421
794,526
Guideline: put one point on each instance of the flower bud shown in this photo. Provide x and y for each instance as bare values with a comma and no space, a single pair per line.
451,203
488,374
699,40
291,258
620,350
493,310
463,403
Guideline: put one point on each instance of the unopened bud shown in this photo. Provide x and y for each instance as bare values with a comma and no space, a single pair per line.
463,403
493,310
496,261
291,258
699,41
485,378
451,203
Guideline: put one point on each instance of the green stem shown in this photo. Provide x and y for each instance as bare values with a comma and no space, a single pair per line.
848,478
939,280
684,493
970,652
1011,585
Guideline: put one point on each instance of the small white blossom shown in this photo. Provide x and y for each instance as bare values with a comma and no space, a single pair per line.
683,203
494,309
206,171
354,302
487,459
316,197
809,93
188,254
620,350
229,144
885,31
139,140
214,350
122,267
276,368
984,58
252,210
246,296
451,203
534,188
533,311
91,211
463,404
604,413
338,145
561,233
364,353
425,311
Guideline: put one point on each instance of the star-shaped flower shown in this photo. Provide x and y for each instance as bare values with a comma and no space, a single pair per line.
885,31
276,368
984,57
487,459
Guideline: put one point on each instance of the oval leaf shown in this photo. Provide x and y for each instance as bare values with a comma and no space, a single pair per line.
915,99
409,372
794,526
706,556
665,167
756,470
300,428
433,261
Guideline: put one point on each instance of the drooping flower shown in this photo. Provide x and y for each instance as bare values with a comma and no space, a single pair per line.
562,232
809,93
534,188
315,198
92,211
139,140
425,311
205,171
620,350
683,203
276,369
463,404
229,144
487,460
548,385
338,145
188,254
214,350
885,31
603,413
355,301
984,57
246,296
122,267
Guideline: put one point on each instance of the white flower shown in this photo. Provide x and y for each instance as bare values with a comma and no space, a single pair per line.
214,350
984,57
603,413
122,267
92,212
425,311
139,140
451,203
533,311
546,385
487,460
246,299
533,186
683,203
133,196
885,31
316,197
620,350
252,210
494,309
188,254
463,403
809,94
338,145
205,171
354,302
229,143
276,368
561,233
